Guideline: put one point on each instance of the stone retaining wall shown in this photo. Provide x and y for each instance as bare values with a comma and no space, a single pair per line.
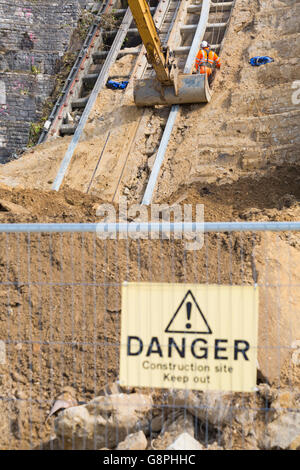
34,35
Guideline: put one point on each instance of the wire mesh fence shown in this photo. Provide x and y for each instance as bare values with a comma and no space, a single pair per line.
60,326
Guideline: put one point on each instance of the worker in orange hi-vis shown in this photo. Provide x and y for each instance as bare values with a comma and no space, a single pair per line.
206,59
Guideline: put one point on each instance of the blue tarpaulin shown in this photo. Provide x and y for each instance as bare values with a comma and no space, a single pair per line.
260,60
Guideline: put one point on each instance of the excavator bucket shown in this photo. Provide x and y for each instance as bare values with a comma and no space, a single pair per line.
190,89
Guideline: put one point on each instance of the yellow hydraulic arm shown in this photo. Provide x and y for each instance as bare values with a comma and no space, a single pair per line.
169,86
156,56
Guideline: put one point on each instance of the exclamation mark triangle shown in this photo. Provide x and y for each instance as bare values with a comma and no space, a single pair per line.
188,318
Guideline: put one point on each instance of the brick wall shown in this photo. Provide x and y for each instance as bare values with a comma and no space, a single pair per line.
34,34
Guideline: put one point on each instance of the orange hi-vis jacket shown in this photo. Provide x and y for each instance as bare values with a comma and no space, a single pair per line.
205,60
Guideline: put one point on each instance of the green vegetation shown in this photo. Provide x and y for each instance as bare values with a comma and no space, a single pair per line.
35,70
85,22
34,132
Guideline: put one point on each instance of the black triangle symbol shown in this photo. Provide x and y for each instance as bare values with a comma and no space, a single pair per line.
188,329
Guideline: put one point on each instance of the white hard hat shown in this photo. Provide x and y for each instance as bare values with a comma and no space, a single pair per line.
204,44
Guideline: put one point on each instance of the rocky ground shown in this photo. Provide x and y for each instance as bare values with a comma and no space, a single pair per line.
60,295
185,420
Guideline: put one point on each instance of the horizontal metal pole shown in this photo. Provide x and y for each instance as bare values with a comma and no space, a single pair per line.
100,55
186,49
192,27
123,227
122,11
182,50
189,28
220,7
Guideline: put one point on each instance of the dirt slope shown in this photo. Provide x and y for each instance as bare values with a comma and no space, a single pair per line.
250,126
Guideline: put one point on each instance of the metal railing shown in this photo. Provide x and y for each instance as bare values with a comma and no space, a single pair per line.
71,81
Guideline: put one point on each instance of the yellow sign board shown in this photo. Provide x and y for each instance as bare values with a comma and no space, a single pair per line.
189,336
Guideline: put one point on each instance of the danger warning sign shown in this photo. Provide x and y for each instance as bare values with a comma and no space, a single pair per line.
201,337
183,322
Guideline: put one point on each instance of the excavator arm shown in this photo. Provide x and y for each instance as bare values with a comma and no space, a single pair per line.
159,58
169,87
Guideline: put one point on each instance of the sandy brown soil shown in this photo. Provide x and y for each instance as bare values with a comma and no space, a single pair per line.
250,127
60,295
251,124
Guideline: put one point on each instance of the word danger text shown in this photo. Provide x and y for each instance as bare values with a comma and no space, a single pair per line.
199,348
